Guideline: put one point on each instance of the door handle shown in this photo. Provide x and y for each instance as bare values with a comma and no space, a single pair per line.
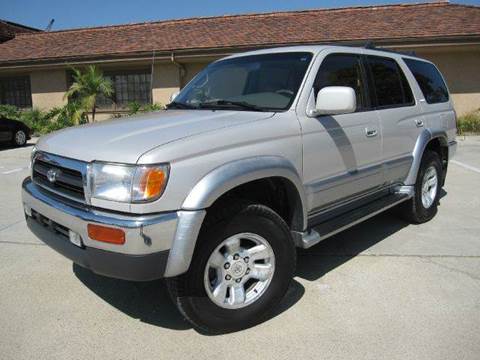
371,133
419,122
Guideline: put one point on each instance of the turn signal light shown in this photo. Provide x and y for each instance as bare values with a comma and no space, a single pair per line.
152,183
106,234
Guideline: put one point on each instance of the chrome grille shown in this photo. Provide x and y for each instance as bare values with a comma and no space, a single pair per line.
62,176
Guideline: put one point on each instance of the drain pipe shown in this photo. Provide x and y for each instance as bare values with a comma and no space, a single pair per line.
181,69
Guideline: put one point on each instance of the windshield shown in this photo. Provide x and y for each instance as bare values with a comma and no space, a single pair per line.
255,83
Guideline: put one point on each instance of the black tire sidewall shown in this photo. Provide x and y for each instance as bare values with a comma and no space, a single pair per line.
207,313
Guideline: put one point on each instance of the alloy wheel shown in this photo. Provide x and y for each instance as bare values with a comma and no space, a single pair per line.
239,270
20,138
429,187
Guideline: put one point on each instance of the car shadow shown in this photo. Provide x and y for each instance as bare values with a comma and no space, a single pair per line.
150,303
329,254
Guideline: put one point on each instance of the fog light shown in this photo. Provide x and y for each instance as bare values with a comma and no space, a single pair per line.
106,234
75,238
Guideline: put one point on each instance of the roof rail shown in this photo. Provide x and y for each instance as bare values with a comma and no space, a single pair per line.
370,45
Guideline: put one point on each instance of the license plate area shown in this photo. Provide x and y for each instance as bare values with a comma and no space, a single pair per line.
57,228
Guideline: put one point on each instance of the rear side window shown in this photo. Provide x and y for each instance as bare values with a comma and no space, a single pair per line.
342,70
430,81
390,85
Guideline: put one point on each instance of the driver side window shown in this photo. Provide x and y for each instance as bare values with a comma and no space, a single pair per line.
342,70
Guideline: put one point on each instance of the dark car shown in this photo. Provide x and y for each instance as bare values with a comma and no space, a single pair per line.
14,132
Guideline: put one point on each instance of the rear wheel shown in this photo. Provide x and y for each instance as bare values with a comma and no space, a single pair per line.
423,206
19,138
240,271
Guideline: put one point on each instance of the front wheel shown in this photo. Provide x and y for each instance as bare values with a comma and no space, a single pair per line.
423,206
240,271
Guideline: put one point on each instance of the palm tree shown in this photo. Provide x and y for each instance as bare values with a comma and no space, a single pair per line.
87,86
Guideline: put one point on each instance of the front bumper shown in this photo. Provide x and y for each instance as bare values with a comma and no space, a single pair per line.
107,263
155,245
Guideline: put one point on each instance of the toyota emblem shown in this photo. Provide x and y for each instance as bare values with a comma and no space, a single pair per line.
52,175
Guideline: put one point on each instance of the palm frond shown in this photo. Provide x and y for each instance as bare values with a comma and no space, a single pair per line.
87,86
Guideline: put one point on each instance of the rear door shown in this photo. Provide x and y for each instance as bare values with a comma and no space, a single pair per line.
436,104
342,153
401,119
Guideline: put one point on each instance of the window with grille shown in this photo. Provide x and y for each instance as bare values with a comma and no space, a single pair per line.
128,87
16,91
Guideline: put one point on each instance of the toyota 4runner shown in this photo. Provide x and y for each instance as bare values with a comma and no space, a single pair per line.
261,153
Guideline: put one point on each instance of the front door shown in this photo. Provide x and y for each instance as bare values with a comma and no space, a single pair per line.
342,153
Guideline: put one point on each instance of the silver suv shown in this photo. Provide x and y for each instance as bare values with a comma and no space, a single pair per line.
261,153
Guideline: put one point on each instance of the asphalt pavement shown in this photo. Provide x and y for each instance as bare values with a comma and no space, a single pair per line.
382,290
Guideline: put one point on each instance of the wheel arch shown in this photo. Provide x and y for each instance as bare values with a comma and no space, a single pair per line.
433,140
245,172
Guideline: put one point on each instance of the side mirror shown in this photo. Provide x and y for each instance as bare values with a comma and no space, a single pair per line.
334,100
174,95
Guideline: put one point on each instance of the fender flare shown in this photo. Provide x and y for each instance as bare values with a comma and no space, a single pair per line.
425,137
232,174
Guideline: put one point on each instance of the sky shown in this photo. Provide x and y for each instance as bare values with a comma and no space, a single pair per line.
86,13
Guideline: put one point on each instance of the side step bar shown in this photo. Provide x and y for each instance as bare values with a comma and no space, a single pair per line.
333,226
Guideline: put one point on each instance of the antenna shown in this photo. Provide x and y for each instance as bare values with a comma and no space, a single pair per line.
50,24
151,76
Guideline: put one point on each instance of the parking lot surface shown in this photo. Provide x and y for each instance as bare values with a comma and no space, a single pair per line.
382,290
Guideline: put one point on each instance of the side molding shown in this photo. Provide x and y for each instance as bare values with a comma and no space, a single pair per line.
422,141
238,172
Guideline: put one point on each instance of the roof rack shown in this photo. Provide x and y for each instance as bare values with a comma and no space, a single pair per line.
370,45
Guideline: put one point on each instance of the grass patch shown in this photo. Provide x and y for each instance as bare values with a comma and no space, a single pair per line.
469,123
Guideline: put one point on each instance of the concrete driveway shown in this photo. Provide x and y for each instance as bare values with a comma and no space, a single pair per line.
382,290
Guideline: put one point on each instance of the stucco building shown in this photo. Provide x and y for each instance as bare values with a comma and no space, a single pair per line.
147,62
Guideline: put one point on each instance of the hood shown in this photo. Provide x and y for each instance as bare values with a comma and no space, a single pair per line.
125,140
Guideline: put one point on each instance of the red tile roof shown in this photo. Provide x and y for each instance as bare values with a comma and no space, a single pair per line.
414,22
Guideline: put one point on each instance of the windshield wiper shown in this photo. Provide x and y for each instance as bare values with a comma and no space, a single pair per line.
222,103
179,105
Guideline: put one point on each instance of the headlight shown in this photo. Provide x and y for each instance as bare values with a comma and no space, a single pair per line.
127,183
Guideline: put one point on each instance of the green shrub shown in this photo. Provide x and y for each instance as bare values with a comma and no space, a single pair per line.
42,122
134,107
153,107
71,114
10,112
469,123
36,120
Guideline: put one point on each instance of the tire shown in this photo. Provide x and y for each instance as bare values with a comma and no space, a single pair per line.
19,138
418,210
193,292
